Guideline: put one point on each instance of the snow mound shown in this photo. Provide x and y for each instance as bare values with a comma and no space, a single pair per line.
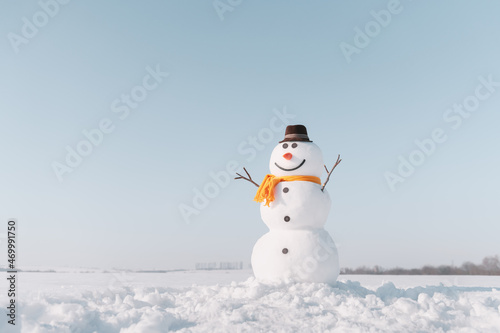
251,306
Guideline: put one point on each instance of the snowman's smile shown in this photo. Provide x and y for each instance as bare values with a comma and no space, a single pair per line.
301,164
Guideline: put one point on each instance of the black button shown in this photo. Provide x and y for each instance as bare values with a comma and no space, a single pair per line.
294,145
287,218
285,250
285,145
285,189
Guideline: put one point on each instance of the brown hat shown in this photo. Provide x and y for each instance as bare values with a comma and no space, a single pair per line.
296,133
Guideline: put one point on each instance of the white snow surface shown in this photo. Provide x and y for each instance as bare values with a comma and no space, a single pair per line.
234,301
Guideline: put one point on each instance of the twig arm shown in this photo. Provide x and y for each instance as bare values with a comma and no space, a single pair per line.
245,178
330,172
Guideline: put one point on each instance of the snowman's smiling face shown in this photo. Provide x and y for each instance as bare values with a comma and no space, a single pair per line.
293,158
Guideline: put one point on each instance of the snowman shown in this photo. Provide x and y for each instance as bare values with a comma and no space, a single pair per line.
295,206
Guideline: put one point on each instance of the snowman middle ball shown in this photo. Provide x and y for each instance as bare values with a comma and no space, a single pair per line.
297,205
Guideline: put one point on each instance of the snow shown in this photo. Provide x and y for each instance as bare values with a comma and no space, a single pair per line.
234,301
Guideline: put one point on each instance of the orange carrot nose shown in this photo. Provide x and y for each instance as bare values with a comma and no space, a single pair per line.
288,156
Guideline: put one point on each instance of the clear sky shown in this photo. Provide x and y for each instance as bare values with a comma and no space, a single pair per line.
366,85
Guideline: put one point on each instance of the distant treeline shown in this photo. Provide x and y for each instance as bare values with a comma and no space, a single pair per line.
220,265
489,266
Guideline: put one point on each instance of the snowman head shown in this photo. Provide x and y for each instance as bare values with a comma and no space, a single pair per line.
296,155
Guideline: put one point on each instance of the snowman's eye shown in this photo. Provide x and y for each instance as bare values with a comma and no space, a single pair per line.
294,145
285,145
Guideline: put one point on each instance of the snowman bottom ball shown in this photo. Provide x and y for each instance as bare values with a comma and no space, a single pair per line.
296,256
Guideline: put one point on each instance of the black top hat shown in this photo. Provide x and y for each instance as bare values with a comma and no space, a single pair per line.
296,133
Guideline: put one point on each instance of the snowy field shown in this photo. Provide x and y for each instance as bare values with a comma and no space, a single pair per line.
233,301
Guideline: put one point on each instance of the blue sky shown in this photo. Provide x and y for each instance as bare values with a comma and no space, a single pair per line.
227,80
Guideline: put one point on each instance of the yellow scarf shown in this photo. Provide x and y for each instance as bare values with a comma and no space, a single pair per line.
266,189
